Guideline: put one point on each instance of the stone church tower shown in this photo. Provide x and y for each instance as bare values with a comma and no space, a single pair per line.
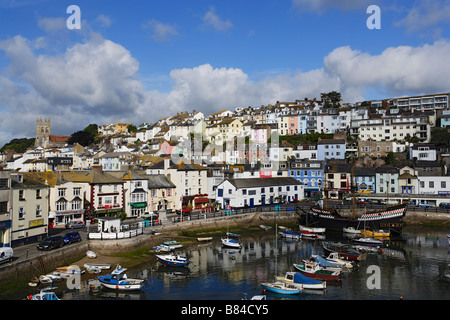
42,133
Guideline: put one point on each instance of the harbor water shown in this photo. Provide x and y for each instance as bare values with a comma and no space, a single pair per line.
410,267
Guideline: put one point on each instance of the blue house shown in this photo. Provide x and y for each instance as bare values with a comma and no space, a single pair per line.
365,180
310,173
331,149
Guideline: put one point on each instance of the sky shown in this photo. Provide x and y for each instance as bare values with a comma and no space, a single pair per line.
142,60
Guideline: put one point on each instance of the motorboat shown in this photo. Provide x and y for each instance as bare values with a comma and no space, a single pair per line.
351,230
313,270
368,242
173,260
375,234
174,244
312,229
101,266
118,280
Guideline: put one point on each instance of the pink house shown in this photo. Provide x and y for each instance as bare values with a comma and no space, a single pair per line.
168,147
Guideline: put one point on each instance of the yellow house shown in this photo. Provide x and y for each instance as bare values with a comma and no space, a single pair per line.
121,127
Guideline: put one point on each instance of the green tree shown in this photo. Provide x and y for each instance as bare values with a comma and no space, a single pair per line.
440,137
390,158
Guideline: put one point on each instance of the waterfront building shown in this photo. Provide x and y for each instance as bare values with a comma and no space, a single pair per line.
365,180
5,209
387,180
407,180
161,193
310,173
29,210
240,193
331,149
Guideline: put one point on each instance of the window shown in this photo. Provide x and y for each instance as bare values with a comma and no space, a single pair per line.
431,184
21,213
230,191
21,197
3,183
76,191
38,193
61,205
443,184
61,192
38,210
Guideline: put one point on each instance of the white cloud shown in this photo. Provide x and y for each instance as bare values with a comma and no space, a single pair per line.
212,19
97,81
427,14
161,31
104,21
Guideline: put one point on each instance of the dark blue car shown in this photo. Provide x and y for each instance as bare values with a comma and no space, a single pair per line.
72,237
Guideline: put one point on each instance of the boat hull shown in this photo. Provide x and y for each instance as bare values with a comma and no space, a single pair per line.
390,219
281,288
123,286
231,243
168,260
319,275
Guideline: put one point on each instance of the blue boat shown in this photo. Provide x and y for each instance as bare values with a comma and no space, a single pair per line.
118,280
173,260
281,287
289,234
44,294
302,281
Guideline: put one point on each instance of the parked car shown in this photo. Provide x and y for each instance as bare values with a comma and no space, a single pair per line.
74,225
424,205
50,243
184,211
6,254
444,205
72,237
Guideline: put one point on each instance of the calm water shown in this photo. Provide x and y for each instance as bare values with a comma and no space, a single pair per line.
412,268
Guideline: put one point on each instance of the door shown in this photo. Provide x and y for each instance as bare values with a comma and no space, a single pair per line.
263,200
252,203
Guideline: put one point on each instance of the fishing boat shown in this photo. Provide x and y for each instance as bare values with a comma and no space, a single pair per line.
101,266
302,281
173,260
281,287
334,258
204,239
391,218
313,270
44,294
118,280
368,242
312,229
375,234
174,244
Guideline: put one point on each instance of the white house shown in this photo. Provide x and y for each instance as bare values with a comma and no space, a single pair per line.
423,152
239,193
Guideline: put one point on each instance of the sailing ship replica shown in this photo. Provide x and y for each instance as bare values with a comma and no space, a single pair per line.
390,218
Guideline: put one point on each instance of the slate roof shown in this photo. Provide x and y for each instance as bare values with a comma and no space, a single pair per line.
264,182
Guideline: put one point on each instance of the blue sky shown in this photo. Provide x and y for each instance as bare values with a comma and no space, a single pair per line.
139,61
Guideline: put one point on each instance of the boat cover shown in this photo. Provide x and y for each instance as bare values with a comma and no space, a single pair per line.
300,278
325,263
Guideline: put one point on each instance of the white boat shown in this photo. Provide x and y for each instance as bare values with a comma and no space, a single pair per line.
163,248
264,227
204,239
118,280
231,243
173,260
174,244
368,242
102,266
44,294
312,229
351,230
44,279
91,254
334,257
93,270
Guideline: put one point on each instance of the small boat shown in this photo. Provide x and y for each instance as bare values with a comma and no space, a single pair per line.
308,234
379,233
91,254
174,244
264,227
233,235
344,250
118,280
173,260
44,294
93,270
335,258
163,248
68,270
289,234
204,239
351,230
101,266
232,240
368,242
298,279
324,263
313,270
45,279
33,282
94,285
369,249
312,229
281,287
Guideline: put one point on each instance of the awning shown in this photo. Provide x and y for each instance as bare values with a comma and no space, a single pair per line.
201,200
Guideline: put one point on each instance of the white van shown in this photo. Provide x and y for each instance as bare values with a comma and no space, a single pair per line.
6,254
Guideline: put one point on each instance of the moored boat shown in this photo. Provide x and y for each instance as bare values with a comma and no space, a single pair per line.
204,239
118,280
101,266
368,242
163,248
281,287
302,281
312,229
351,230
173,260
231,243
44,294
289,234
174,244
313,270
345,251
375,234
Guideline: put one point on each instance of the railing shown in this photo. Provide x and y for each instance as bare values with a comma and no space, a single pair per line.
127,231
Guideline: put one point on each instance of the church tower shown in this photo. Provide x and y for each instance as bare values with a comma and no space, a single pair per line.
42,133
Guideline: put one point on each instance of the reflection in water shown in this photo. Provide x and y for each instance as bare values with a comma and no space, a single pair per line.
411,267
